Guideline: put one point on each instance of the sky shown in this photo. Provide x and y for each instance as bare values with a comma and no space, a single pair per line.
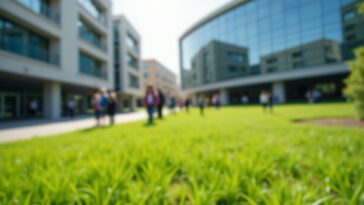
162,22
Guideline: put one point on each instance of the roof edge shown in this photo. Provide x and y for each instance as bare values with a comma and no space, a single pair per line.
213,15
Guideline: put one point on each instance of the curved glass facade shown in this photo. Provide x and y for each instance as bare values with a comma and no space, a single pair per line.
259,37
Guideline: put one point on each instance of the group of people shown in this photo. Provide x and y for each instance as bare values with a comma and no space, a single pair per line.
313,96
104,103
155,99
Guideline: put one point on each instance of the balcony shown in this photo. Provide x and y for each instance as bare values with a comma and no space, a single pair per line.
93,40
41,8
94,71
30,51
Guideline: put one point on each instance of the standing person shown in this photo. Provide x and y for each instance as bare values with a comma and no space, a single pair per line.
111,107
172,103
103,101
201,104
217,101
33,107
271,100
160,104
264,100
97,108
71,106
150,102
187,105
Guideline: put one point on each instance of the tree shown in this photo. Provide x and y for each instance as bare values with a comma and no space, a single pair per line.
355,82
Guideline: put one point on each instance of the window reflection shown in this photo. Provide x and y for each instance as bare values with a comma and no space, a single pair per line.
326,30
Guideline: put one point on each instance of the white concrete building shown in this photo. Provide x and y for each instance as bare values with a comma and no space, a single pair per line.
127,62
53,51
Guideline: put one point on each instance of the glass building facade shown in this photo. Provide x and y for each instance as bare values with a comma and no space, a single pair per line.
261,37
91,36
91,66
22,41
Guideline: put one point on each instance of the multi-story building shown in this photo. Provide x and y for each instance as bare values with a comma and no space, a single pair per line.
159,76
128,70
53,51
291,48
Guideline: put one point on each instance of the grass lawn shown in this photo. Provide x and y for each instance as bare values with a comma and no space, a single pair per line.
237,155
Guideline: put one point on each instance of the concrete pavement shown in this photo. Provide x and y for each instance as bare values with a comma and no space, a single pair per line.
27,129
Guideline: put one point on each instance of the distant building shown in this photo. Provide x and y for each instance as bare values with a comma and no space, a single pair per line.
127,62
158,76
51,52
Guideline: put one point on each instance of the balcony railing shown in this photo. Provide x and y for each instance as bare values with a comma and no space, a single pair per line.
94,71
42,9
94,41
30,51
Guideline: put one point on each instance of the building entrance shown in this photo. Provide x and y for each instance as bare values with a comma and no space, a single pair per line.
9,105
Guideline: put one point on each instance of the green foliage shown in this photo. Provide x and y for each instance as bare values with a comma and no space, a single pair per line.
355,82
236,155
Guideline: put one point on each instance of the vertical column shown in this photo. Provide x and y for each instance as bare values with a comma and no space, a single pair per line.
52,100
224,97
279,91
84,104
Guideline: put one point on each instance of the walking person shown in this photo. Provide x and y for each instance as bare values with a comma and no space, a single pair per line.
201,104
71,106
103,101
160,104
33,107
264,100
111,107
172,104
97,108
150,102
187,105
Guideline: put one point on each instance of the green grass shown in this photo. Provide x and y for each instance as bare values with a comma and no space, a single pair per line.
233,156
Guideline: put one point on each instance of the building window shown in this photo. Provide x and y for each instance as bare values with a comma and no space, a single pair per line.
351,37
272,60
132,43
91,66
235,57
232,69
146,65
41,7
146,75
19,40
349,15
132,61
94,10
90,35
133,82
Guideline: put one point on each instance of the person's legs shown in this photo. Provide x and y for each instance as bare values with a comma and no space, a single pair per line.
160,114
150,110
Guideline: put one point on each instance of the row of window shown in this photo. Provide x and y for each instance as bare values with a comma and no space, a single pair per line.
90,35
264,27
91,66
94,10
16,39
42,7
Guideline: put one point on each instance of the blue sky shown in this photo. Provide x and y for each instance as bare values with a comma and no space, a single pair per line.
162,22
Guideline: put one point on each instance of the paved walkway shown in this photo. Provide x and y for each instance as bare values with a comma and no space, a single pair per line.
27,129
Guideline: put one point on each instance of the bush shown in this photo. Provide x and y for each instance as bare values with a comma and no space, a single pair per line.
355,82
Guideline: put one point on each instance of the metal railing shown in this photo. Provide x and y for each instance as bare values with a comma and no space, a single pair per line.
31,51
94,71
42,9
